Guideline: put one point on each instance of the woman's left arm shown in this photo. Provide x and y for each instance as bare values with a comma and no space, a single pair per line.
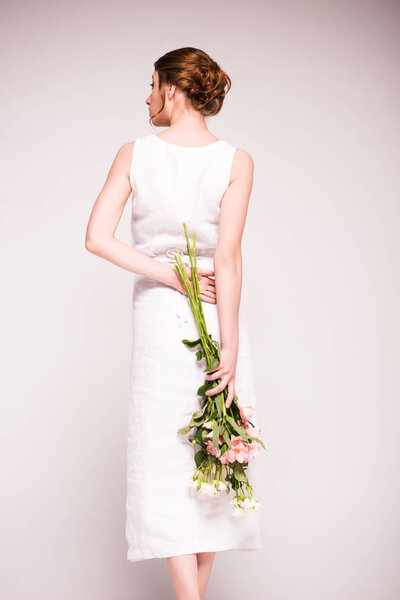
228,270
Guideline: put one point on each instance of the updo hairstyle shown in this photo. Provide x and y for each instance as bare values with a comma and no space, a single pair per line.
197,75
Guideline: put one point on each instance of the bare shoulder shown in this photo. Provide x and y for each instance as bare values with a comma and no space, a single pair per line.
123,158
244,156
243,164
126,149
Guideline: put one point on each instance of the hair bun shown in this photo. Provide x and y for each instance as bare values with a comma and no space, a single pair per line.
198,75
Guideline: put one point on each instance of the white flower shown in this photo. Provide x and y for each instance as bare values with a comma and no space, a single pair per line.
247,504
208,424
208,489
252,504
242,506
221,486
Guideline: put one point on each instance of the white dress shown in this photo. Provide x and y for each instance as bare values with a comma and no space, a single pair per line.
172,185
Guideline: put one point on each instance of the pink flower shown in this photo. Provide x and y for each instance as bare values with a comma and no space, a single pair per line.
253,431
246,412
228,456
238,452
210,436
240,448
211,449
254,449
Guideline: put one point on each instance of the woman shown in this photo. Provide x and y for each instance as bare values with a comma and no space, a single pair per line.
185,175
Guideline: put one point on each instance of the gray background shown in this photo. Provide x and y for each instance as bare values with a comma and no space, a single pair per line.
314,100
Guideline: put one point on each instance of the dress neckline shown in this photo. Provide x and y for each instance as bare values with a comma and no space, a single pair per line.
186,147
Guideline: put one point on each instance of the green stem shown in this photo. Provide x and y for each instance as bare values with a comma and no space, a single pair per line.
195,302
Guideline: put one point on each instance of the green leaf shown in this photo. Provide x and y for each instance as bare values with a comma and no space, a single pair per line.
191,344
218,404
215,436
220,401
200,354
204,401
200,456
184,430
262,443
197,418
239,473
239,430
213,365
202,389
199,413
198,437
226,437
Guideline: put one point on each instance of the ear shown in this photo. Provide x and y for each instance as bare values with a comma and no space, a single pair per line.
171,89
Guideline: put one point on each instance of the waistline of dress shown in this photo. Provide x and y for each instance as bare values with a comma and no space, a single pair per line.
204,260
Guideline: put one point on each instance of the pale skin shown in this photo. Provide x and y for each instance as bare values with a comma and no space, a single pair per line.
189,573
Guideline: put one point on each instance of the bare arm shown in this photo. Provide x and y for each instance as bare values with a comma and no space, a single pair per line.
228,269
103,222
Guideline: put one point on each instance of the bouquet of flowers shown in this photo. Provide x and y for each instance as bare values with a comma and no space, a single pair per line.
227,438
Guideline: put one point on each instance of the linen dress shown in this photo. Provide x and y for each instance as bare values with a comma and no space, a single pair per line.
172,185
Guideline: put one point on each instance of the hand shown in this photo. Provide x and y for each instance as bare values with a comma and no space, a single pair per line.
206,284
226,372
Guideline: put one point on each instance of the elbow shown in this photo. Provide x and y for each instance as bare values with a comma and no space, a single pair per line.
91,244
228,255
230,260
98,245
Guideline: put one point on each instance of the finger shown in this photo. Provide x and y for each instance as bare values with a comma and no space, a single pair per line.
218,388
208,299
209,288
230,395
209,293
211,376
207,280
205,271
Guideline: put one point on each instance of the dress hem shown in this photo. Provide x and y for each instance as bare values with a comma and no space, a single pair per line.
191,550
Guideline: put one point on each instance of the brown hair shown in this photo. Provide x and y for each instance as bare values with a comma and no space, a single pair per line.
197,75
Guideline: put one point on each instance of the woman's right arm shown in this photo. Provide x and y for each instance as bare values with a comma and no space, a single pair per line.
103,222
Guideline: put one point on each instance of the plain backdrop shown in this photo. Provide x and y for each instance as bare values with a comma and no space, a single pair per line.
315,100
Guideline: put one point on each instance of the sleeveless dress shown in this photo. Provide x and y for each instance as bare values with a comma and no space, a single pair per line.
172,185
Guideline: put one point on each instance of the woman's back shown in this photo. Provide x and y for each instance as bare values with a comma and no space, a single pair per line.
172,185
